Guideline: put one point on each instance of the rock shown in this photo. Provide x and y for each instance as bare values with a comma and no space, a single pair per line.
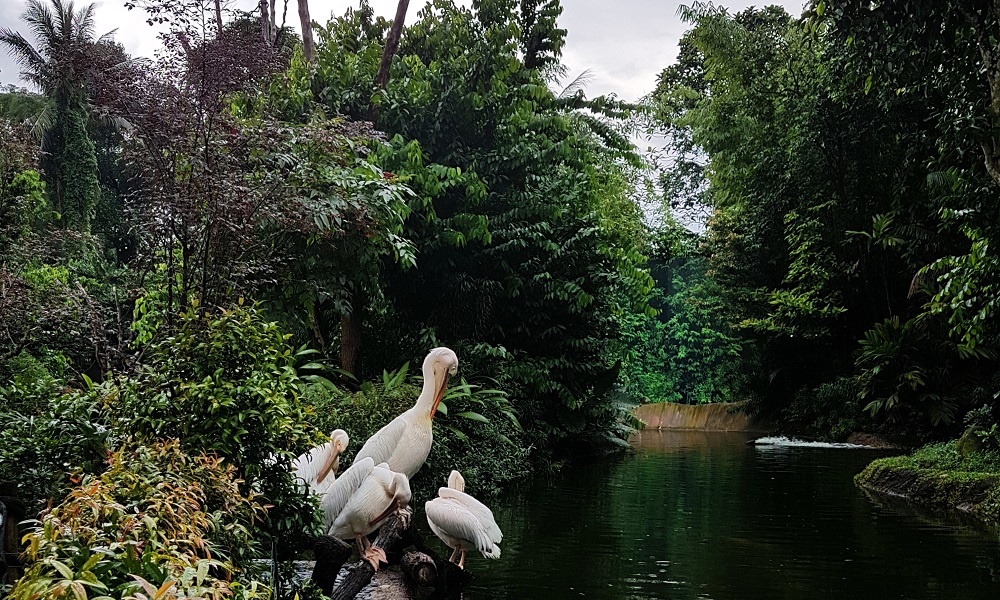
870,439
970,442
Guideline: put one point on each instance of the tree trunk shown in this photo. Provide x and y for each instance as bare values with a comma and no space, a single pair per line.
392,537
391,43
218,17
265,22
308,46
449,577
423,566
351,327
274,24
12,512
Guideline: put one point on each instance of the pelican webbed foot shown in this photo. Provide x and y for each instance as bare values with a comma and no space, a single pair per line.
375,555
405,516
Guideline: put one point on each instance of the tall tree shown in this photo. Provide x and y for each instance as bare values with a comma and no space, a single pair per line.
61,65
918,46
352,324
391,43
308,45
530,300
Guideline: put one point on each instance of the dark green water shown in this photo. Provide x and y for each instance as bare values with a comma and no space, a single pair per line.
694,515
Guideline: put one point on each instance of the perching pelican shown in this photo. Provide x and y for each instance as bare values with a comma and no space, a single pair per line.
360,499
462,522
406,441
318,467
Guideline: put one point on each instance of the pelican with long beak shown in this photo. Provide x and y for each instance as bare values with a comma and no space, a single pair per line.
317,468
462,522
406,441
359,501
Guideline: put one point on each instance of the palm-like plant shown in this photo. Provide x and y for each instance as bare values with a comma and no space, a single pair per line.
61,64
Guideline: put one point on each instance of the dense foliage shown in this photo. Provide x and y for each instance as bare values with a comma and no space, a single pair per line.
227,252
849,206
190,245
156,522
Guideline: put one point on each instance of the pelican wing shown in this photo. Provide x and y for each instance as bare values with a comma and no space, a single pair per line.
477,508
380,446
341,490
457,521
306,466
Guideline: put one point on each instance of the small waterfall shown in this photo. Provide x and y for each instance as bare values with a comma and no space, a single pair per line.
703,417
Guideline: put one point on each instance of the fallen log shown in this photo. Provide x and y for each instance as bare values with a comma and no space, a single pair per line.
449,575
419,568
393,537
331,554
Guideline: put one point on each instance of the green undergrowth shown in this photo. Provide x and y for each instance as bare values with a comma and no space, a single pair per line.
938,474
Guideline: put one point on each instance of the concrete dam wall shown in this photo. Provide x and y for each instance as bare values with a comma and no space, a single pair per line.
702,417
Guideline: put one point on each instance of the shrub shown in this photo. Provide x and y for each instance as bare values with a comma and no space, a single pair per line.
225,382
157,522
831,410
49,434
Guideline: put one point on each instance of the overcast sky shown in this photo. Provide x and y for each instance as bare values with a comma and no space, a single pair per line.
624,43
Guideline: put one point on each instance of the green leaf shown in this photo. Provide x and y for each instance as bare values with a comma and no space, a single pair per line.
473,416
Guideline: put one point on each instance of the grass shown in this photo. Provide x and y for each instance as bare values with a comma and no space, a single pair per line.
938,474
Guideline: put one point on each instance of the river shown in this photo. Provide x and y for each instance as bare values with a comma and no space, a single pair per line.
703,515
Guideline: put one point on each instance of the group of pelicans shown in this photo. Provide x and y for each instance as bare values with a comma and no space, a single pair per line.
377,484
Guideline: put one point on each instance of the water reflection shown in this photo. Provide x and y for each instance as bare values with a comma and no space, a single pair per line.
699,515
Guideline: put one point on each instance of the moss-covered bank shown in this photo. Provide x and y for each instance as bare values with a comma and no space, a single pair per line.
937,474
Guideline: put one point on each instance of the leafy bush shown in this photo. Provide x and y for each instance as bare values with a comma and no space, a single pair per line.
830,410
48,435
225,382
158,522
908,370
981,417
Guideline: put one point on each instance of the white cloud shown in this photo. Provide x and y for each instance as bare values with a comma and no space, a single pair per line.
625,43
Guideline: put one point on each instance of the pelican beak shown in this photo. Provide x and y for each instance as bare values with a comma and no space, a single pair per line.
385,513
440,394
327,466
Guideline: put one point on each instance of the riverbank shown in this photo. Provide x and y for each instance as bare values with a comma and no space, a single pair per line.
939,475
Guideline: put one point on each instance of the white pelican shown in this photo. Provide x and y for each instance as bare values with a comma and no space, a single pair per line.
318,467
406,441
462,522
360,499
